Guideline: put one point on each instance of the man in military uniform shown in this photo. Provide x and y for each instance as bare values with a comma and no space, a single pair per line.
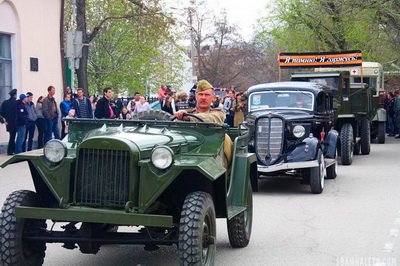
204,97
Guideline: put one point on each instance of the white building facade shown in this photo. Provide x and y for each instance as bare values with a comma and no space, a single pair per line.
30,58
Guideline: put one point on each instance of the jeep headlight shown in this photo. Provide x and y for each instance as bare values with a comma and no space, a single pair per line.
55,150
299,131
162,157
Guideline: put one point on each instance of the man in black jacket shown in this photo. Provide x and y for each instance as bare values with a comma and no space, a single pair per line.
8,112
103,107
22,119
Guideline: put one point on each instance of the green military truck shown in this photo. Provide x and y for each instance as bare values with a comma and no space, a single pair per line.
166,177
359,116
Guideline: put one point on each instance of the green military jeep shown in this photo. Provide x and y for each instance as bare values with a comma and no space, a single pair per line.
165,177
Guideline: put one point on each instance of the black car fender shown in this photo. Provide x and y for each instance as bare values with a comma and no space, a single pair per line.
330,144
305,151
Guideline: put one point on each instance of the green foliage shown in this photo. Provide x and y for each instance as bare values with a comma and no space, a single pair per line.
329,25
133,48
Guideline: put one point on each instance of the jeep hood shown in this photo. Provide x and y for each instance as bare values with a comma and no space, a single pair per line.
145,137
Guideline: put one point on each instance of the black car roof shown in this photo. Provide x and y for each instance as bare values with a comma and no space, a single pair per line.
289,85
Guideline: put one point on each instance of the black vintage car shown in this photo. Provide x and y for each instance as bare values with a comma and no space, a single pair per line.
292,131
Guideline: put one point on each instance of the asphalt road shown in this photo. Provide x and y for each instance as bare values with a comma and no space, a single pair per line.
355,221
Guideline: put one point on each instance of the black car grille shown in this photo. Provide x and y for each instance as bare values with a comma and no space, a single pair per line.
269,138
102,177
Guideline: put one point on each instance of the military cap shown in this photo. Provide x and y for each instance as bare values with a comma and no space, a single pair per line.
13,92
203,85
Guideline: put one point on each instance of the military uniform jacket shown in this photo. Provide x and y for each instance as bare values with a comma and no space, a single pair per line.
214,115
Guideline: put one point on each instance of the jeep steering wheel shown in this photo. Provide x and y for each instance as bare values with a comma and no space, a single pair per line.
195,116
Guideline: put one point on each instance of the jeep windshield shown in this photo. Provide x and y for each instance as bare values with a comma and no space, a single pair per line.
269,100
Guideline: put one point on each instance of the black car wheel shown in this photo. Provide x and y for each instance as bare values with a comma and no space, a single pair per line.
331,171
197,230
14,250
317,175
365,141
239,227
346,144
381,132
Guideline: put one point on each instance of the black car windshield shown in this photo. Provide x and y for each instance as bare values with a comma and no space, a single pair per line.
281,100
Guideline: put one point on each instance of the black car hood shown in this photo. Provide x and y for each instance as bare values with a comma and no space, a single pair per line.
286,114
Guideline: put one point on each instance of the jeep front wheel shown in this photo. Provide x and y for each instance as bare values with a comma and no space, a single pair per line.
239,227
346,144
197,230
14,250
317,175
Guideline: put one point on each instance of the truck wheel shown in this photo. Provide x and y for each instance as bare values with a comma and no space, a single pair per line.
197,230
153,115
381,132
239,227
14,250
365,141
317,175
346,144
331,171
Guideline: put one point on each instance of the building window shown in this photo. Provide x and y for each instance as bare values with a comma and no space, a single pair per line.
5,66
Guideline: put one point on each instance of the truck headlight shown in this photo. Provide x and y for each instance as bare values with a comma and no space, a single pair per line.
162,157
299,131
55,150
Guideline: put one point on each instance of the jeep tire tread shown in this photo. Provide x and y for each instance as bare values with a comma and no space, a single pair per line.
239,227
317,175
346,144
13,249
365,141
197,230
381,132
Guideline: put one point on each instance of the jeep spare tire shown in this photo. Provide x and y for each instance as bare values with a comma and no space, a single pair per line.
153,115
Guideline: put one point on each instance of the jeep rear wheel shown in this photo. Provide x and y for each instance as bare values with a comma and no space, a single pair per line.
317,175
239,227
197,230
346,144
365,141
381,132
14,250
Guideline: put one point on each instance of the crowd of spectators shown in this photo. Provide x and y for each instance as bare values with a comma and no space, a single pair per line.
22,116
392,106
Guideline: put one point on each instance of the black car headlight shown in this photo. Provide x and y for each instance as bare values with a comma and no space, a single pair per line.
55,150
299,131
162,157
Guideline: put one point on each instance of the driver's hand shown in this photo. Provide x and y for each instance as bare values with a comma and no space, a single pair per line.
180,115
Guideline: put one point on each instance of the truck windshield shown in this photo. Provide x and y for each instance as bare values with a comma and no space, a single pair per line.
281,100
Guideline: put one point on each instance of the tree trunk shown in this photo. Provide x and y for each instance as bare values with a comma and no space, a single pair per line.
81,26
62,47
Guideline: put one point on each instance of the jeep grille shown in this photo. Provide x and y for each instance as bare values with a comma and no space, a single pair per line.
269,136
103,177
